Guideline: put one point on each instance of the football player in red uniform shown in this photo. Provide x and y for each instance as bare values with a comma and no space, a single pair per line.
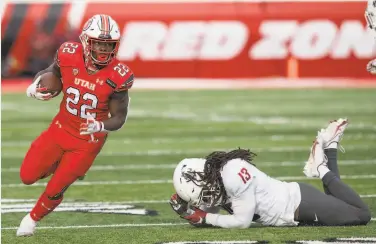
95,102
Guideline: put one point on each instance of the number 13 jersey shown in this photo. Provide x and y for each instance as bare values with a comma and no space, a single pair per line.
252,192
87,93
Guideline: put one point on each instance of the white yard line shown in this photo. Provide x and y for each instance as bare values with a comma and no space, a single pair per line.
99,226
158,152
117,167
5,202
169,181
368,196
91,183
185,113
25,201
172,140
217,118
106,226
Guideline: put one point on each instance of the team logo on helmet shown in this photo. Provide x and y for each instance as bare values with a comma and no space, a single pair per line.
88,24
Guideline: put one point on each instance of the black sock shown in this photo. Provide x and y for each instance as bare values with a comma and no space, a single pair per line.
331,154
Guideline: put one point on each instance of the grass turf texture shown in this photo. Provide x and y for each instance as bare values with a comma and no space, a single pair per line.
163,128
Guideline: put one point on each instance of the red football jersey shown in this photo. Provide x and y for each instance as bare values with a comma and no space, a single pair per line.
85,93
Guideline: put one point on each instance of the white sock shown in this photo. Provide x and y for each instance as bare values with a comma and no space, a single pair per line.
322,170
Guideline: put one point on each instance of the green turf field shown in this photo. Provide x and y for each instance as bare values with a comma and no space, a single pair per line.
136,165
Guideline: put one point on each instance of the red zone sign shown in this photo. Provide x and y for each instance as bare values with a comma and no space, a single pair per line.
239,39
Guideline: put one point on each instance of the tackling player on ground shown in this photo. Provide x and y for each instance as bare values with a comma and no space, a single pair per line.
95,102
230,181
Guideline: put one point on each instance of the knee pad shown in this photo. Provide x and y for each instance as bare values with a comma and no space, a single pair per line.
364,216
28,178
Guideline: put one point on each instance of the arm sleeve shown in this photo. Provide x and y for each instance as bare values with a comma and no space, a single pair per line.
244,209
125,82
212,210
241,193
68,54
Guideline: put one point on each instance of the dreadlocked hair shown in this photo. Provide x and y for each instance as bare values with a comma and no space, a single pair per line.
214,164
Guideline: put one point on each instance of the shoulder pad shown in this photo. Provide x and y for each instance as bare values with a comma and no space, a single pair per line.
236,176
68,54
122,78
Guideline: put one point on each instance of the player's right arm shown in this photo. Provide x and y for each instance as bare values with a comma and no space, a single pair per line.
34,90
119,100
243,210
53,68
237,180
63,55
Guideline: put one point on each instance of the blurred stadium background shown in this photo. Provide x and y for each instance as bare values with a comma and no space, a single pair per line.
176,48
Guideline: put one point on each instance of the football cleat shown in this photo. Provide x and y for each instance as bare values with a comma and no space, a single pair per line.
316,158
27,226
333,133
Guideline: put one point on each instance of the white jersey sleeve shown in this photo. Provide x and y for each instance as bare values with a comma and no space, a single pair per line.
211,210
237,180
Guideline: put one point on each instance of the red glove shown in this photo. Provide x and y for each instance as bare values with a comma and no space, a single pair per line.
197,217
178,205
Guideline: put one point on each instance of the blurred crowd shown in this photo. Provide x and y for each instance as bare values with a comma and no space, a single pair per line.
41,46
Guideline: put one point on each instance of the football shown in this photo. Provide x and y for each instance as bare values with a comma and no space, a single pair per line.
52,83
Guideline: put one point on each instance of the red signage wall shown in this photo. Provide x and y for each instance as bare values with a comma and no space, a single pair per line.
234,40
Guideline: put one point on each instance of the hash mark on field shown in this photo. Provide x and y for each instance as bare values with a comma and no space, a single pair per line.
172,166
168,181
106,226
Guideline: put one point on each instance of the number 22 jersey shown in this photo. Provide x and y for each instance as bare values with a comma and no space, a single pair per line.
87,93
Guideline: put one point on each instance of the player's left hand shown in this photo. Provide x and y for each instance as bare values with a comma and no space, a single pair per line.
196,217
91,126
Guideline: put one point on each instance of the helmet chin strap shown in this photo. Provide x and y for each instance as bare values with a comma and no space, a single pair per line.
91,66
